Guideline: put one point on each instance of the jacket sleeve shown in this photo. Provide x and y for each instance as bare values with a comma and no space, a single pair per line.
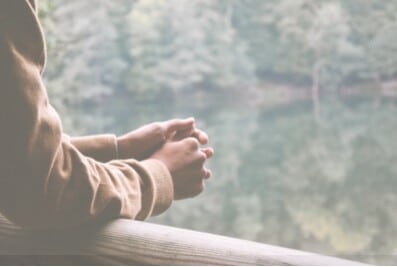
102,147
45,181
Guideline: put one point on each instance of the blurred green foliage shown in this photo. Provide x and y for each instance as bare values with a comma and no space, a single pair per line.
253,73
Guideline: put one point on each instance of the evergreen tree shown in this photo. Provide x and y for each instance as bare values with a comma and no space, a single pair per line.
181,45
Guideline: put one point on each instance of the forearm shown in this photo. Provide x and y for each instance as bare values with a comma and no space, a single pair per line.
102,148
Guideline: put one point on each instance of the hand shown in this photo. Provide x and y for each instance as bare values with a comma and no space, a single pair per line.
144,141
185,161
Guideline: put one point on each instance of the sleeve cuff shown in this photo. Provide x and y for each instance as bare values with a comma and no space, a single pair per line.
162,187
102,148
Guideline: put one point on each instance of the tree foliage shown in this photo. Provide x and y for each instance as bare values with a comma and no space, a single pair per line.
182,45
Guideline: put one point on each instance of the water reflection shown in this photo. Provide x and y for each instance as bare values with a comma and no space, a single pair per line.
282,178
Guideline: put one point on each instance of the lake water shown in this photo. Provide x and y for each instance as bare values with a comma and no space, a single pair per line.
281,177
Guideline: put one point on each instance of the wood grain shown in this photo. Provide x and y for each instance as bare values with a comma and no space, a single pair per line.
131,242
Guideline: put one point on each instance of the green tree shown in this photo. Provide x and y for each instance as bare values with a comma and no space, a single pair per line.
373,26
313,35
184,45
85,64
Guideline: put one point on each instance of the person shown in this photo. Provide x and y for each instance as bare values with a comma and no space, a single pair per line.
51,180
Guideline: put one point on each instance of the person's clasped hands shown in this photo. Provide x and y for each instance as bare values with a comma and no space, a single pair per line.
178,144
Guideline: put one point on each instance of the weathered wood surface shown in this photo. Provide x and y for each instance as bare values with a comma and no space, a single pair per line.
132,242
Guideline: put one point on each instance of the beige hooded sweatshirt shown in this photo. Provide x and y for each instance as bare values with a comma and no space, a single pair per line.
48,180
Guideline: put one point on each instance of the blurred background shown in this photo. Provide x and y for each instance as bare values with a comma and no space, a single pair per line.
299,98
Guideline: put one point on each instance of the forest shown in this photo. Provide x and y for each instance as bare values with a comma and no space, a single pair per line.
299,98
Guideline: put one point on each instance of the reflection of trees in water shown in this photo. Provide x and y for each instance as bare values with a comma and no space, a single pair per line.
280,179
335,184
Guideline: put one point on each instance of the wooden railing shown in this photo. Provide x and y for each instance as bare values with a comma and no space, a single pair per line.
132,242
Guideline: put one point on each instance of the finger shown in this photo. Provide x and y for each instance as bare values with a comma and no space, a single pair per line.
179,125
208,174
201,136
204,174
198,161
182,134
208,151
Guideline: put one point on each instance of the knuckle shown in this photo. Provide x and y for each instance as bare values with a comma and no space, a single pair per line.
207,173
159,129
202,158
176,121
192,143
157,126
